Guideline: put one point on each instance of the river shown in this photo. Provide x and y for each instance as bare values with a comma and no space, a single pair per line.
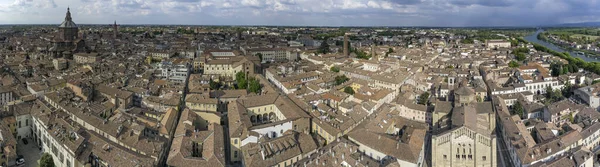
533,39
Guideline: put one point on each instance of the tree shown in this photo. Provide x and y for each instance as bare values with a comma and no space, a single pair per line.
334,69
362,55
340,79
518,109
260,56
565,70
46,161
240,78
520,56
549,92
467,41
424,98
556,69
214,85
566,91
513,64
521,50
324,48
349,90
254,86
388,52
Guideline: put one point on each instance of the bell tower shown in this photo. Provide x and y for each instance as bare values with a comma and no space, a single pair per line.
115,30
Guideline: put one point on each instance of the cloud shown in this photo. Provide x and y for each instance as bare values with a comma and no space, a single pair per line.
406,2
306,12
490,3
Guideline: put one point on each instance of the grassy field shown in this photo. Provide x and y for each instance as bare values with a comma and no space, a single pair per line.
581,36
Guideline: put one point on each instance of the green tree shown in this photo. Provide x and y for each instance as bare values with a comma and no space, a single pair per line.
467,41
571,118
520,50
565,70
341,79
46,161
260,56
518,109
556,69
424,98
214,85
520,56
513,64
362,55
566,91
349,90
254,86
324,48
549,92
334,69
240,78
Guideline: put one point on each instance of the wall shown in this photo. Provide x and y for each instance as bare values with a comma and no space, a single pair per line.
277,129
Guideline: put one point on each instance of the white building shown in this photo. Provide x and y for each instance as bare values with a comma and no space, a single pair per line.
497,44
6,95
589,95
274,54
178,73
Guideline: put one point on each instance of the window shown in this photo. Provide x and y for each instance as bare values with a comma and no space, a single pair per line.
235,154
19,124
483,158
235,141
27,122
445,157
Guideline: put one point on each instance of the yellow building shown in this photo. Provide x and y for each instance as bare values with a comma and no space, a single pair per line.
201,102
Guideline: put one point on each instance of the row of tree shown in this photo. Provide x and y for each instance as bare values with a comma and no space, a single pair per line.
249,83
575,63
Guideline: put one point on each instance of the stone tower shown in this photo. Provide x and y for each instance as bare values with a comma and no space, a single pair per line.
346,45
373,52
115,30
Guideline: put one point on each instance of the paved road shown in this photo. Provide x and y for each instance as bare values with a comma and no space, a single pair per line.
503,152
30,152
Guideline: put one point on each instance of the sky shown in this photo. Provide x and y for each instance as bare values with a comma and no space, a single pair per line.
439,13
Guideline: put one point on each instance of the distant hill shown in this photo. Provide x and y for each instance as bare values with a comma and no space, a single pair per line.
582,24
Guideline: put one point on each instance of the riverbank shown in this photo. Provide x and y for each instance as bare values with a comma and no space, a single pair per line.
533,38
588,53
578,62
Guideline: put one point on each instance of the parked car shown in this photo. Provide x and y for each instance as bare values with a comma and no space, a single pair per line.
20,160
25,141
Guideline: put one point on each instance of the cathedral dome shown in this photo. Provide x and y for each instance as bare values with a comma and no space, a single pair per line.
68,23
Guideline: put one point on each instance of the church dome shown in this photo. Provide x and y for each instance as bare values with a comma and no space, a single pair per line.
68,23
